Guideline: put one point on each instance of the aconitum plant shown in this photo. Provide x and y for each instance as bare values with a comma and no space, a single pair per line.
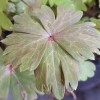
48,51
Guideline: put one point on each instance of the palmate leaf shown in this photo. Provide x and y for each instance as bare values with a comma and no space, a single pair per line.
52,49
21,85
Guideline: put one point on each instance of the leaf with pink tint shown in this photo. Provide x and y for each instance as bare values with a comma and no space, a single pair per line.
15,82
52,47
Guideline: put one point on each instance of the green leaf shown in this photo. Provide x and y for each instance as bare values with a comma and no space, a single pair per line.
53,48
50,64
22,84
58,2
3,4
78,4
51,2
4,79
87,70
18,83
5,21
44,1
97,22
21,7
0,31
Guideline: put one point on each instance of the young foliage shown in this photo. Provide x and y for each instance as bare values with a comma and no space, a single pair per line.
97,22
4,20
20,85
78,4
53,47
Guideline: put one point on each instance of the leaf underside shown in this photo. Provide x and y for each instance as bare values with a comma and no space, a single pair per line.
54,49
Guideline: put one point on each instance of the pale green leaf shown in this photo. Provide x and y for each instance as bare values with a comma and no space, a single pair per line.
52,47
25,82
87,70
21,7
4,79
11,8
70,17
17,83
47,18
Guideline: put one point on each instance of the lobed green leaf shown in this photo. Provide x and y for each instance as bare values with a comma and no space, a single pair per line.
53,47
